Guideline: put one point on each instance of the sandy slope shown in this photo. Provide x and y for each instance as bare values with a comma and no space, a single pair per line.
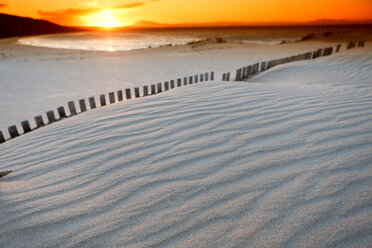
283,160
36,80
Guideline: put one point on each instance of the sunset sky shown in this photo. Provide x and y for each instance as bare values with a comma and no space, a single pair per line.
127,12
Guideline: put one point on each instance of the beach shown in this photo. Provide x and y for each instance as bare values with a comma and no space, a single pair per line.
282,159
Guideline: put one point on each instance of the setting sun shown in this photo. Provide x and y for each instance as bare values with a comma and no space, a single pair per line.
105,18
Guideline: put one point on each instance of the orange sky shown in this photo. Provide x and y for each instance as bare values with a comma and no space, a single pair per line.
127,12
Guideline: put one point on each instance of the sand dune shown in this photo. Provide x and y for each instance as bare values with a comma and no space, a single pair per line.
39,79
282,160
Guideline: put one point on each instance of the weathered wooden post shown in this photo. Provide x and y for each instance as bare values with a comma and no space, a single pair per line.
191,80
145,90
159,88
327,51
112,97
71,107
196,79
256,66
179,82
2,139
172,84
338,48
351,44
166,86
83,106
244,73
51,117
361,44
136,92
26,126
212,75
102,99
206,76
13,132
185,81
153,89
39,121
238,76
61,112
201,77
120,95
128,94
224,77
228,76
263,66
92,103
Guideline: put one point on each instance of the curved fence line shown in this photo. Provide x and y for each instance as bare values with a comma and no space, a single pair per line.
103,100
248,71
153,89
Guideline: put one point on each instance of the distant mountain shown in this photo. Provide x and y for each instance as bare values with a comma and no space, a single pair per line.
11,25
150,24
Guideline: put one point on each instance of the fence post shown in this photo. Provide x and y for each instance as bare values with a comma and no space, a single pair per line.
263,66
83,106
26,126
145,90
212,75
62,113
112,97
13,132
201,77
120,95
228,76
51,116
2,139
159,88
185,81
136,92
153,89
238,76
39,121
102,99
172,84
351,44
92,102
166,86
361,44
128,94
338,48
196,79
206,76
71,106
191,80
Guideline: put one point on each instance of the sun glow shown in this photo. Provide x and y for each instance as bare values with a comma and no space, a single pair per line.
105,18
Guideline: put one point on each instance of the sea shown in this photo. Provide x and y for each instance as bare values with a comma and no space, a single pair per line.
132,39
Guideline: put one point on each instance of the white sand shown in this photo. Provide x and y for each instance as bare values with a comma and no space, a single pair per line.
283,160
36,80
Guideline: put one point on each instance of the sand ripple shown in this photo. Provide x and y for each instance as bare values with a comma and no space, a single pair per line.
281,161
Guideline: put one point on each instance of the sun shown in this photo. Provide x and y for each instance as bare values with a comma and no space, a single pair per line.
105,18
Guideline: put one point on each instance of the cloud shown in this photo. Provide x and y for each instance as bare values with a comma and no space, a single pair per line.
72,17
129,6
3,5
67,16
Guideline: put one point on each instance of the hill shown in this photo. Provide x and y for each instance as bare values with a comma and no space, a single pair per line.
11,26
